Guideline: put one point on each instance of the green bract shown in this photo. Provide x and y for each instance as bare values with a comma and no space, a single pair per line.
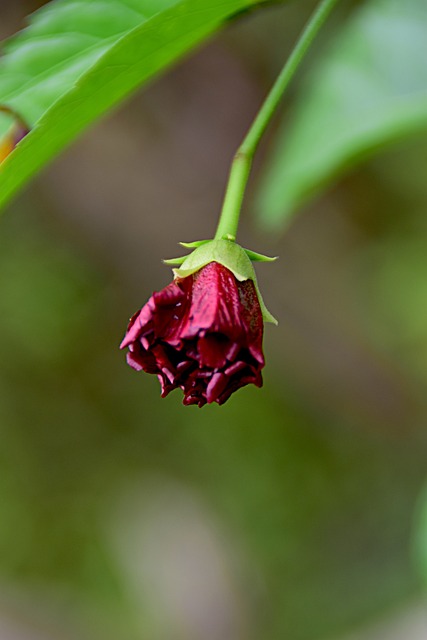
230,255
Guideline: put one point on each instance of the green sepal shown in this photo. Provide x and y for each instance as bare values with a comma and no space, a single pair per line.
259,257
193,245
230,255
175,261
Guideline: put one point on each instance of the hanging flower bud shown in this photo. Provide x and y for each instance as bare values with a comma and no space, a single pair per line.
203,332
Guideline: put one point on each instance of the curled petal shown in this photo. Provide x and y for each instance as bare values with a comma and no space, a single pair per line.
213,349
216,386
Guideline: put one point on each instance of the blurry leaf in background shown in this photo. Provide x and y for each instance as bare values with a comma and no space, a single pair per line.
369,90
43,315
180,562
70,66
395,273
62,42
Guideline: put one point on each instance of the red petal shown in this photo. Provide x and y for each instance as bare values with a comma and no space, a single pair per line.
132,331
141,360
213,349
235,368
216,386
139,322
165,386
168,296
172,306
215,304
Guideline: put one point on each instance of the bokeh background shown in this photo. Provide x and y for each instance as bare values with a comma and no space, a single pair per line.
290,513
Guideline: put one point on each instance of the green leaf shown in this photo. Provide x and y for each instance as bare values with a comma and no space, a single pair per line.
63,41
368,91
79,58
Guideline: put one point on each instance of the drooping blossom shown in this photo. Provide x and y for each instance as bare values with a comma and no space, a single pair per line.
202,333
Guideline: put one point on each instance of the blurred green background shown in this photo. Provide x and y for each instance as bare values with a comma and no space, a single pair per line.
289,513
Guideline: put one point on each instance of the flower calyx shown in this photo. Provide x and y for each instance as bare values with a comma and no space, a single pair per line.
226,252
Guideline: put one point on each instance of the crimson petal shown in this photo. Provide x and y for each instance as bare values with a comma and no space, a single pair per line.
202,334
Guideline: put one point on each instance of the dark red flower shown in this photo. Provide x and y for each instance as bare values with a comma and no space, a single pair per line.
202,333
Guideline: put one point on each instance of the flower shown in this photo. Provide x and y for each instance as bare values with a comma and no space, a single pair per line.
202,333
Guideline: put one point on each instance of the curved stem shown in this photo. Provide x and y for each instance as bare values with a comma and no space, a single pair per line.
242,162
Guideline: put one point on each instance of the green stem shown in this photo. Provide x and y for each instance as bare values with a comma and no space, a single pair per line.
242,162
